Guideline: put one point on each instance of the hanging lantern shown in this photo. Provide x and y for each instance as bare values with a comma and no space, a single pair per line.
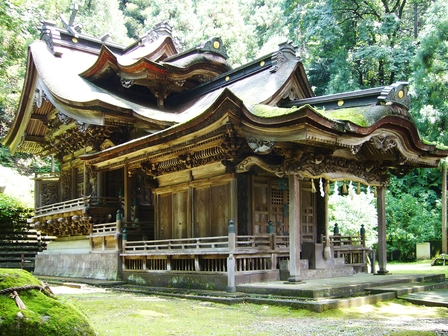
374,192
344,188
327,187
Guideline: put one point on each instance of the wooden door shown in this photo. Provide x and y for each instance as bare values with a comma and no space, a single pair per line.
261,205
220,209
271,203
180,222
165,216
308,203
202,225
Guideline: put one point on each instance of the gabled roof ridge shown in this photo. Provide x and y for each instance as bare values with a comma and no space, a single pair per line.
272,61
213,45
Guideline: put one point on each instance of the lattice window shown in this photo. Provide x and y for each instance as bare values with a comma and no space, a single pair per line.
156,264
253,264
213,264
182,265
277,196
134,264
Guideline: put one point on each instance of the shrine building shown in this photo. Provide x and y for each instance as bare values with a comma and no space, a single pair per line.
178,170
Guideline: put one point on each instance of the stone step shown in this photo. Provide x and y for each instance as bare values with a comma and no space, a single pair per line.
401,289
338,271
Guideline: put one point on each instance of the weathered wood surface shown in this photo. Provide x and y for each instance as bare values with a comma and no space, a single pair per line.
76,204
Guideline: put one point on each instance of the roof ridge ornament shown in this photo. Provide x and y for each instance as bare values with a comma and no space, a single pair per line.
396,93
72,29
285,51
214,45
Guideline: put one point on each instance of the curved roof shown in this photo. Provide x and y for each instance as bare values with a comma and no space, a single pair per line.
267,100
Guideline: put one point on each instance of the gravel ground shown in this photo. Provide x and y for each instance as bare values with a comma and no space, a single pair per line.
328,326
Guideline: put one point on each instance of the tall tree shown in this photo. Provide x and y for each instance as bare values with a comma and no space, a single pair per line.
430,77
353,44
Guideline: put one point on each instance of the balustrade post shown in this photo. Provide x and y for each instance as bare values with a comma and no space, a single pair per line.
119,245
124,241
231,259
362,232
271,232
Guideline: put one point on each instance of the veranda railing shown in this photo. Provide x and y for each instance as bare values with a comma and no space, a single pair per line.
75,204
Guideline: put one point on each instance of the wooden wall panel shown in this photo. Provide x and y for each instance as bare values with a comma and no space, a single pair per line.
165,217
201,213
220,209
180,222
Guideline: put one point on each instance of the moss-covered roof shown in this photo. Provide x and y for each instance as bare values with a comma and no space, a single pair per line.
363,116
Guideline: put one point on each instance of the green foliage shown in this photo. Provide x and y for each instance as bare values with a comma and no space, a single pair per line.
431,74
13,214
17,30
349,45
43,315
350,211
413,211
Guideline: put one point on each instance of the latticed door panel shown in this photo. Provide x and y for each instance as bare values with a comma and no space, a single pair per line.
270,204
280,210
308,216
261,206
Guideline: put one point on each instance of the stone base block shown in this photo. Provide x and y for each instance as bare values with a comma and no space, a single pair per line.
103,266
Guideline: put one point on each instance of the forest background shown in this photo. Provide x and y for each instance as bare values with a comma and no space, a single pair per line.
344,45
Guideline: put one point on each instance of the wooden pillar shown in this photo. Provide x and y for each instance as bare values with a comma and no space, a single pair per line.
127,195
444,233
381,206
294,229
234,202
327,248
190,210
231,284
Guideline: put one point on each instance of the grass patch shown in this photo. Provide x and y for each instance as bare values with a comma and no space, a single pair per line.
117,313
417,267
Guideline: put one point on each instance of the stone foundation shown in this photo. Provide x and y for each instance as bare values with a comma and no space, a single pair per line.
103,266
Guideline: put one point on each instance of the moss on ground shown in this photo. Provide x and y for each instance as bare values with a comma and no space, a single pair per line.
44,315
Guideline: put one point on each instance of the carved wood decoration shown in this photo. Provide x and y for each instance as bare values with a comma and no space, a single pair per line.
78,136
74,223
317,165
67,185
224,148
49,193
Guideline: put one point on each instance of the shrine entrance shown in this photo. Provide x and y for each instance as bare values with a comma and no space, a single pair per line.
271,203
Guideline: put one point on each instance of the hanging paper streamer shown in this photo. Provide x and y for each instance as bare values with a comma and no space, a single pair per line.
358,190
351,191
321,188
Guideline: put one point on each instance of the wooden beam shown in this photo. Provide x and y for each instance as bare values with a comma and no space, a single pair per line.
40,117
35,138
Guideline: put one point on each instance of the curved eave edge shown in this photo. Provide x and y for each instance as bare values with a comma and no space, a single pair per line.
106,59
226,103
274,117
25,108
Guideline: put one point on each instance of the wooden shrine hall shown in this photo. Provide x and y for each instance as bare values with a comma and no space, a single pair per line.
177,170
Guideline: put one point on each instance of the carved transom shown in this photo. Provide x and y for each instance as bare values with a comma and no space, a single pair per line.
318,165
